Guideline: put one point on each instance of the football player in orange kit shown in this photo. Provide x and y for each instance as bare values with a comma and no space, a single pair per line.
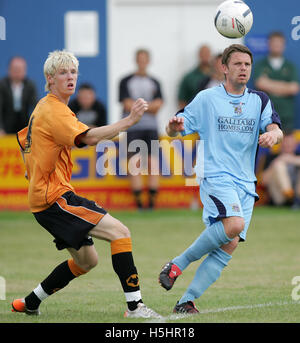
46,144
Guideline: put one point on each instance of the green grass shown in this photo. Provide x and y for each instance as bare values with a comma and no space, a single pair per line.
255,287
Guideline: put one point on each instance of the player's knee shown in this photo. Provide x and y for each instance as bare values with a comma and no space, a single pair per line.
238,226
234,226
89,263
79,266
92,263
124,231
120,231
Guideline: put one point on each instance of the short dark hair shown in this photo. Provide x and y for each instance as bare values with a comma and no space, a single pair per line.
235,48
278,34
86,86
142,51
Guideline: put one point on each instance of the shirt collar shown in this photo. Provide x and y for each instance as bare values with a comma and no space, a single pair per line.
233,95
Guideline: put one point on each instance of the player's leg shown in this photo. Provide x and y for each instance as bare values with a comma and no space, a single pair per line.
210,269
230,247
81,262
112,230
222,215
206,274
85,258
219,233
69,220
210,239
223,204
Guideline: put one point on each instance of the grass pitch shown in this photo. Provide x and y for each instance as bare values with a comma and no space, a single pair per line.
256,287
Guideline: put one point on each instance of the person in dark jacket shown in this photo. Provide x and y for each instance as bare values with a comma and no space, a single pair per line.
18,97
87,108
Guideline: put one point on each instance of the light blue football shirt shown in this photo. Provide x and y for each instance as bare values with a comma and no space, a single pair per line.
229,126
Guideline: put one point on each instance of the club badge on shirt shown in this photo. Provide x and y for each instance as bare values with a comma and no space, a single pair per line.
235,207
237,107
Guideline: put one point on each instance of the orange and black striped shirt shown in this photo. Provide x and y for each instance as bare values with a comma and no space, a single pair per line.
46,146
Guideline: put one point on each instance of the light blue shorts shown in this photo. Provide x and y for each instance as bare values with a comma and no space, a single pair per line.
224,196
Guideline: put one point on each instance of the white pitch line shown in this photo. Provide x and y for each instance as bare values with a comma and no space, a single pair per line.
247,307
223,309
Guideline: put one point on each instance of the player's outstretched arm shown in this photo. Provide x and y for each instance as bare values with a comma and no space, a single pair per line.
273,136
175,125
94,135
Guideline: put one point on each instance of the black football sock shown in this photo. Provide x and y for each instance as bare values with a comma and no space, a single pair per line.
123,264
58,279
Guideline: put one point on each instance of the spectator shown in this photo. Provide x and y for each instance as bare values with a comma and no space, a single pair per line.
18,97
189,85
278,77
87,108
141,85
281,176
216,75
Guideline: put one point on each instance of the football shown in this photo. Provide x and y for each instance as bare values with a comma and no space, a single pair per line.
233,19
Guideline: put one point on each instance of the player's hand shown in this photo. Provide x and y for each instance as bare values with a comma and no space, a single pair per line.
268,139
176,124
137,110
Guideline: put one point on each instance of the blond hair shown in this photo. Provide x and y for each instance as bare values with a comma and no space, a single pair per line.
57,59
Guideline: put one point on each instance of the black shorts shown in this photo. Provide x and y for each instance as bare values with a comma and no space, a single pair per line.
70,219
145,135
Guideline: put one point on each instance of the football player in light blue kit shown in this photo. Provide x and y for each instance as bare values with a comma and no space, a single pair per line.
228,119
